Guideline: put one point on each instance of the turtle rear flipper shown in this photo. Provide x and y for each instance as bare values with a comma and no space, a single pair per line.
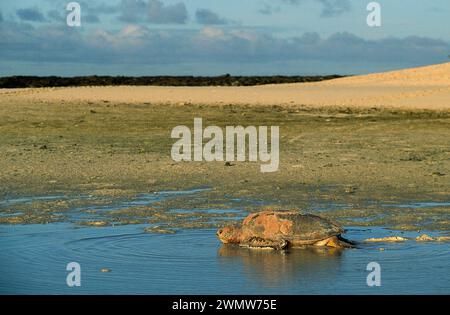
336,242
261,243
345,243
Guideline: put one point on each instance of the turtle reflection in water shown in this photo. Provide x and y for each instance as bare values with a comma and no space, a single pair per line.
306,267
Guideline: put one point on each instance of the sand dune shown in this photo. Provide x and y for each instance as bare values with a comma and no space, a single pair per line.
417,88
434,75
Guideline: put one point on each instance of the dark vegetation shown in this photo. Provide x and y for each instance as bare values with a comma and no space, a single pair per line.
223,80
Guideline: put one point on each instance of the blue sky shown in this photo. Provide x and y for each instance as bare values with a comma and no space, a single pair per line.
241,37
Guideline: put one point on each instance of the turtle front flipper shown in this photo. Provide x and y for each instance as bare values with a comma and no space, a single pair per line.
262,243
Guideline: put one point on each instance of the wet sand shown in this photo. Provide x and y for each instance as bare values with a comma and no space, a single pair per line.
367,156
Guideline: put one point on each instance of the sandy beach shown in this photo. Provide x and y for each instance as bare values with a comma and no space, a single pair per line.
424,88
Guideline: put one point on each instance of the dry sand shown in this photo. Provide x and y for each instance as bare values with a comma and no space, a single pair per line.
417,88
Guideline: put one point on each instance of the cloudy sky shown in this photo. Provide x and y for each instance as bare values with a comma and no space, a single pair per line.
213,37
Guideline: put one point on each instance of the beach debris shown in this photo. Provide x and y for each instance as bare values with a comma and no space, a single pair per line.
158,230
386,239
350,189
12,220
421,238
424,238
95,223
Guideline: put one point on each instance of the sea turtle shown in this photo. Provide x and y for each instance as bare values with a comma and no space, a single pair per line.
281,229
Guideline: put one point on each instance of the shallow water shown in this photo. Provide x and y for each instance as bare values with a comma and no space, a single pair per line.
34,259
418,205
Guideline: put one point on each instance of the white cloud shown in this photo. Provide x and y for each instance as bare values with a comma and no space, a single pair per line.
135,44
212,33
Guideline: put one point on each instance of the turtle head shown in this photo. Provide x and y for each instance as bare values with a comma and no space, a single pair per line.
229,235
